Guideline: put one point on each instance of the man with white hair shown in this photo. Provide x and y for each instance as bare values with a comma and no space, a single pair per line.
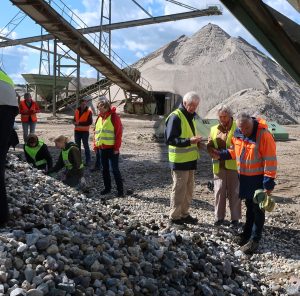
182,138
226,181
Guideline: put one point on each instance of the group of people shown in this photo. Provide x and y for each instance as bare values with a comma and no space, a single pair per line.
244,160
107,143
243,153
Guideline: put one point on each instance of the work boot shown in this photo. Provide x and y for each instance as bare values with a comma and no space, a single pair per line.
105,191
250,247
241,239
219,222
177,221
190,220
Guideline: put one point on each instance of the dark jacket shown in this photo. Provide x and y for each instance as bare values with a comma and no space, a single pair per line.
172,137
75,160
43,153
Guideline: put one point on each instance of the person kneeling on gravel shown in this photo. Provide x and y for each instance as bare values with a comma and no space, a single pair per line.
70,159
37,153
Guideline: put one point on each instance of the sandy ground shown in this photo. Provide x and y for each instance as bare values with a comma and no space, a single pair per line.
144,161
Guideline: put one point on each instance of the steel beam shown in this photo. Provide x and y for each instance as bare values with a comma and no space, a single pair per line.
120,25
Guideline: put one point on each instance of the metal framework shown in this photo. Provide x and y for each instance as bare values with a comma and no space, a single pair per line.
104,43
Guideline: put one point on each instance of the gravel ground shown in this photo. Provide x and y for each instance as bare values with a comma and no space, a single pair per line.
66,242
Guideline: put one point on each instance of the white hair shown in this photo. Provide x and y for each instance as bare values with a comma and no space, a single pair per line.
191,97
243,117
226,109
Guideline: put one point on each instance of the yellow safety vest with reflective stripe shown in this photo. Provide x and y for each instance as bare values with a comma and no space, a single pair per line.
104,132
32,152
6,78
65,158
231,163
183,154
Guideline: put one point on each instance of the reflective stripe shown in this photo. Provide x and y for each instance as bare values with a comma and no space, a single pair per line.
40,162
182,149
248,161
260,169
104,138
270,158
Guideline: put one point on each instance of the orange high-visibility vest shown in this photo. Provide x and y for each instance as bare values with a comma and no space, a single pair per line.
34,108
81,119
256,158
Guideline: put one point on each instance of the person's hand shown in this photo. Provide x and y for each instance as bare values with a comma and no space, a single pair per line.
268,192
215,154
195,139
116,151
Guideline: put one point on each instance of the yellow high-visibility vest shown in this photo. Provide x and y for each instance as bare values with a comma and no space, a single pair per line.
104,132
5,78
230,164
183,154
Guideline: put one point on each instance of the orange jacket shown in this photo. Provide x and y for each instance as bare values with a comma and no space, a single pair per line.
83,120
255,158
27,113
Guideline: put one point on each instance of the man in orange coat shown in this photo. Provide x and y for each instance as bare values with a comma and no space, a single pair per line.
83,118
28,109
254,149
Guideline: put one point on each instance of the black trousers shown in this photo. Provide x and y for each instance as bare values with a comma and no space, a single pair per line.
255,220
108,156
7,119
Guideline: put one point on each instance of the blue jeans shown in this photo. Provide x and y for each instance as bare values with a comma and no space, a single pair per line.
108,156
28,125
84,137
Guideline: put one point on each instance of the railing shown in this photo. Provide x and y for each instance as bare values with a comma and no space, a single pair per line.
94,38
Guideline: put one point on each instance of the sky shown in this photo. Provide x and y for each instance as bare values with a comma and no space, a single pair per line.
130,44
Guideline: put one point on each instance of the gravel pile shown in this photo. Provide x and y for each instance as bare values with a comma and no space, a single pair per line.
61,241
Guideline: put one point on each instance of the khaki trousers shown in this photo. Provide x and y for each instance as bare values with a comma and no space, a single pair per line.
182,193
226,185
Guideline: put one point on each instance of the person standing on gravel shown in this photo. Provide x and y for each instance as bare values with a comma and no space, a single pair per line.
70,159
226,180
182,141
83,119
28,109
108,139
254,149
8,112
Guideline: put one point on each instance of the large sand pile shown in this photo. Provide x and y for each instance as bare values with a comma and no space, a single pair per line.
219,67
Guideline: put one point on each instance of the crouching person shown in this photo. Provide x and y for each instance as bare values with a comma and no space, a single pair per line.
37,153
70,159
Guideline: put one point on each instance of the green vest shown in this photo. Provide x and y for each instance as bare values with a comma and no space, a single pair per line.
104,132
5,78
65,158
32,152
231,163
183,154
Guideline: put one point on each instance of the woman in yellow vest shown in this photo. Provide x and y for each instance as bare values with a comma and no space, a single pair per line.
37,153
226,182
108,139
8,112
70,159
